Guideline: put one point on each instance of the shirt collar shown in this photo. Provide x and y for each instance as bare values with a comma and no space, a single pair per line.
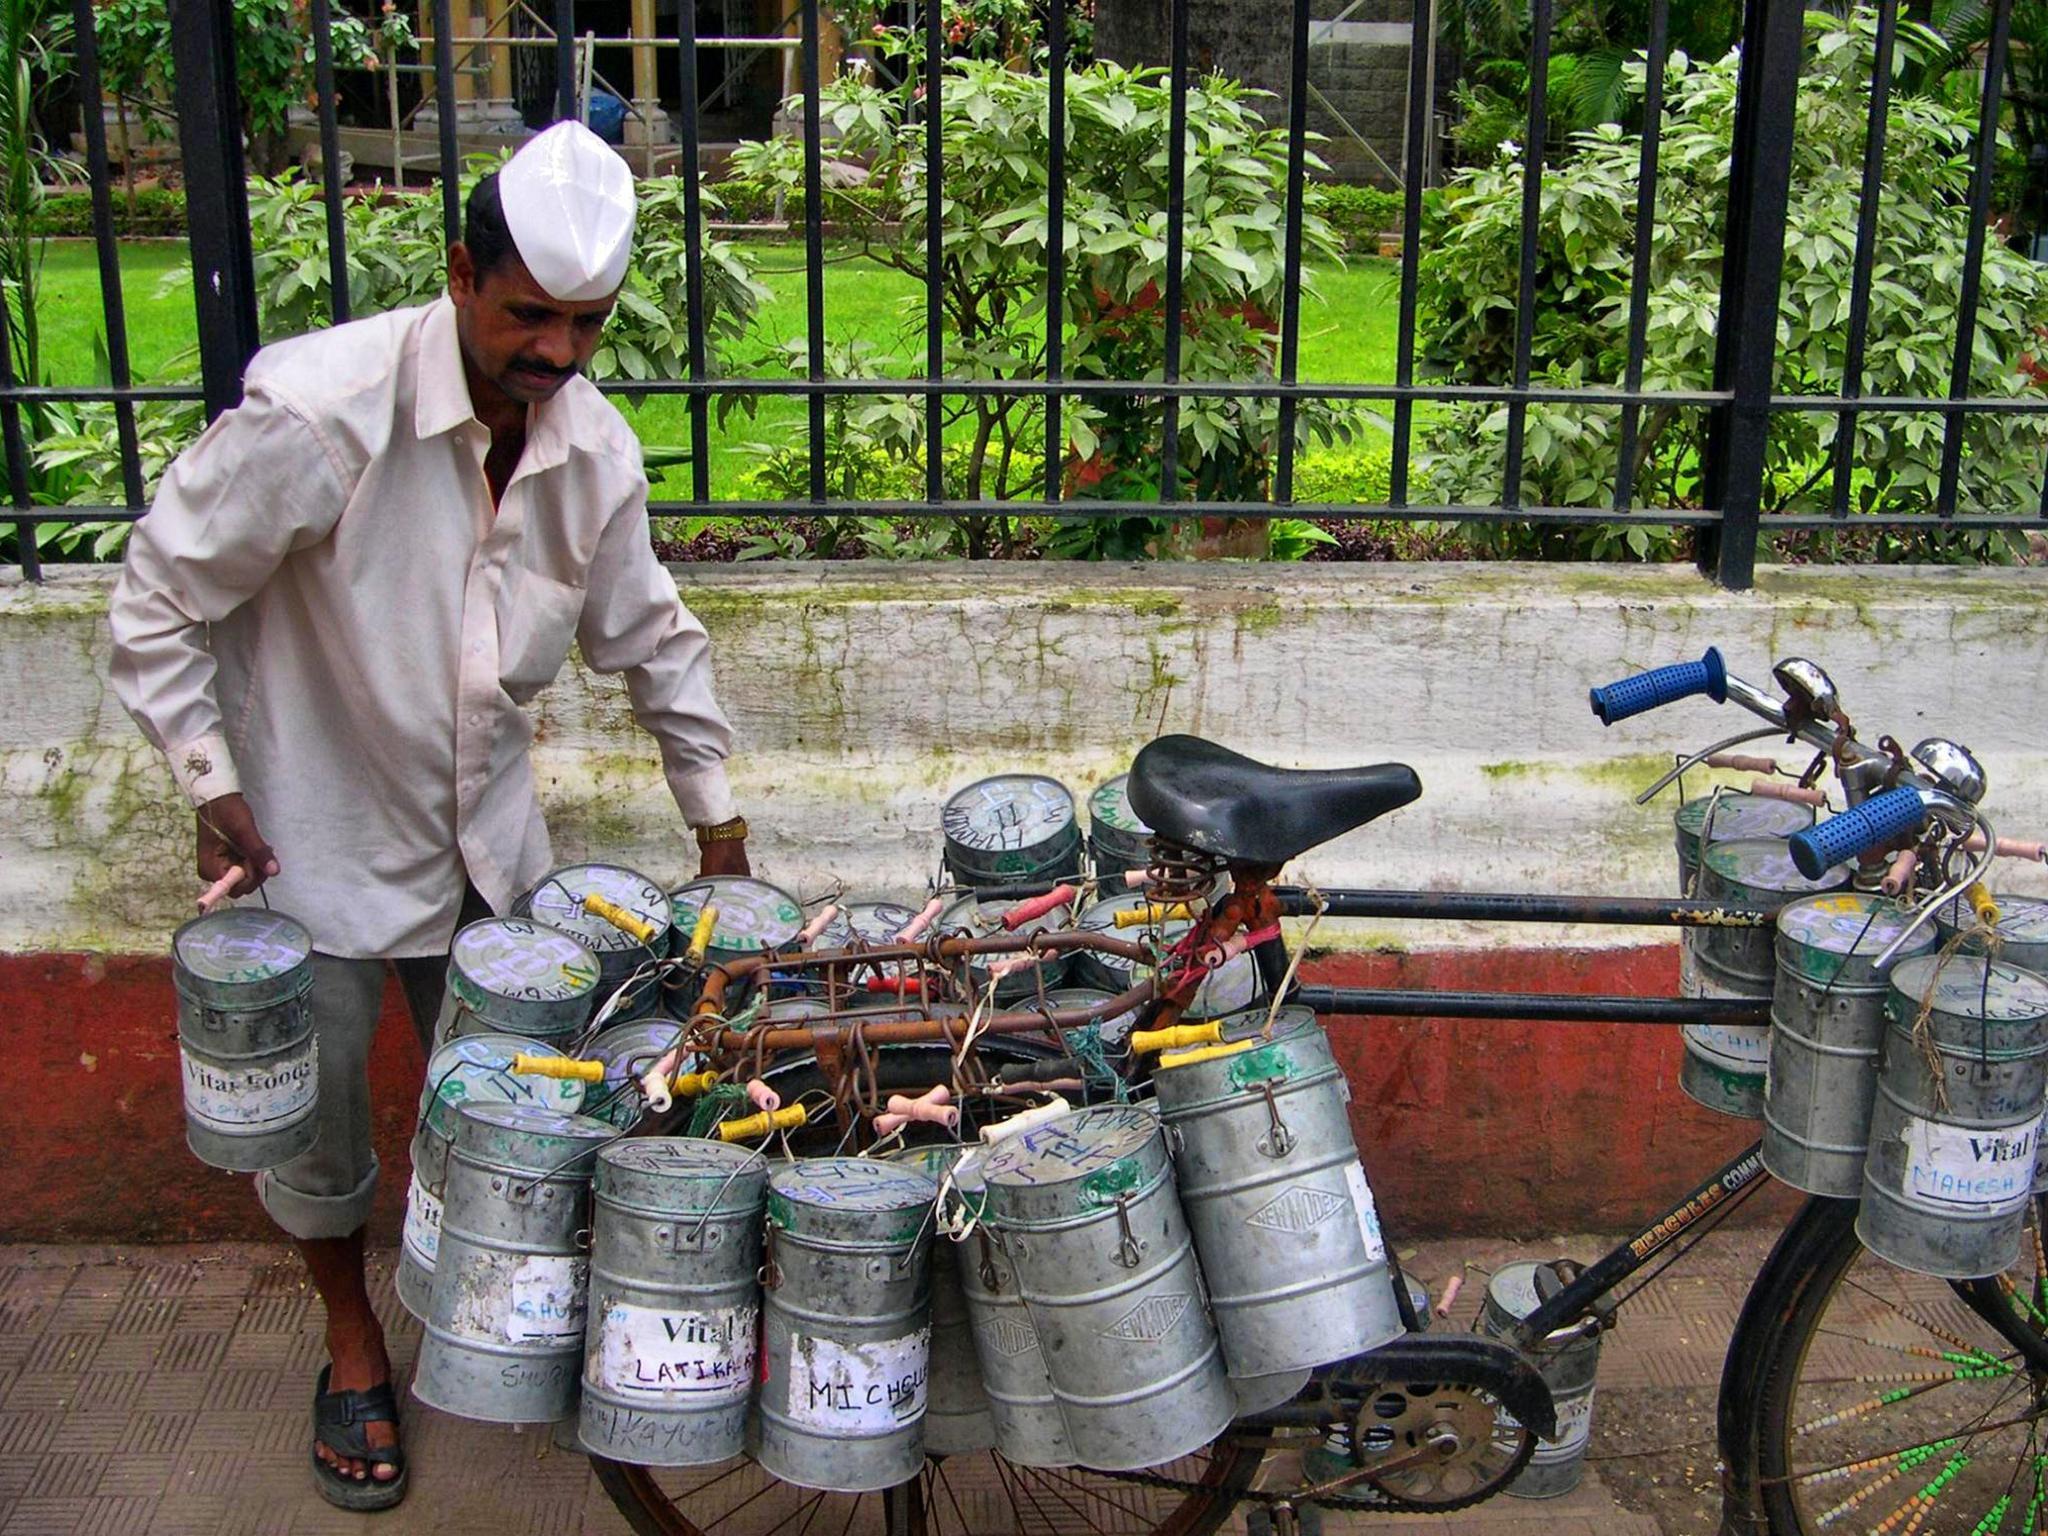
443,401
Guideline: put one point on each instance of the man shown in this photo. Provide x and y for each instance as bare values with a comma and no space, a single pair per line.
340,600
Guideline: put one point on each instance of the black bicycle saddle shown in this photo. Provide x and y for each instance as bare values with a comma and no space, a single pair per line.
1209,798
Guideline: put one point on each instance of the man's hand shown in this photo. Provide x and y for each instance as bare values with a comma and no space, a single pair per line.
723,858
227,838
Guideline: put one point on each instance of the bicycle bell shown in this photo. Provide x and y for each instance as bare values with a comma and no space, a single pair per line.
1809,691
1952,766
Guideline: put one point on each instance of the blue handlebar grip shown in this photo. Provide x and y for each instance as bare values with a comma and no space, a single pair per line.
1879,820
1662,685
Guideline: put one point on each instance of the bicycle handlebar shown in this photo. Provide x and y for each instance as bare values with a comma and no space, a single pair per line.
1662,685
1880,820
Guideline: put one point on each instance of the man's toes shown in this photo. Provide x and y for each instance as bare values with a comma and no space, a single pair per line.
384,1472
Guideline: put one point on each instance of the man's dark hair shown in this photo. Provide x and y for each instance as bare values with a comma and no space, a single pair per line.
484,229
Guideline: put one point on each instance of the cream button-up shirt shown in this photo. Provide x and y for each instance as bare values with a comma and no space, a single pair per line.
323,611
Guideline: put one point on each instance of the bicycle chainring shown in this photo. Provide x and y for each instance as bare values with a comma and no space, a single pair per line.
1452,1446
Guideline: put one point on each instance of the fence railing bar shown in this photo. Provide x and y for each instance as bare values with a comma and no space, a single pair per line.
934,254
1055,241
1290,279
1973,251
1745,346
1422,38
17,471
106,246
1532,214
814,244
444,120
1210,389
693,256
120,394
1078,509
1865,259
326,109
209,104
1646,234
565,59
1176,244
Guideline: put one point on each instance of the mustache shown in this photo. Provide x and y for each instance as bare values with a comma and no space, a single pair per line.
535,365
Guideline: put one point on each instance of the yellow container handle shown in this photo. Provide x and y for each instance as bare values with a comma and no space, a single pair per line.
626,922
568,1068
1145,1041
700,936
1205,1053
761,1125
1982,904
689,1085
1140,917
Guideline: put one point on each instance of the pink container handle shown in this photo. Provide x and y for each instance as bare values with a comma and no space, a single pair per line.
1450,1296
817,925
902,986
217,892
1133,878
1798,794
1027,911
1742,762
915,929
2008,847
762,1097
930,1107
1899,877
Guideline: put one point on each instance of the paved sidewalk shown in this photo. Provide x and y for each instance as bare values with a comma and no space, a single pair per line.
165,1390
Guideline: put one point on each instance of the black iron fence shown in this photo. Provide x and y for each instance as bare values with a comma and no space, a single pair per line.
1741,405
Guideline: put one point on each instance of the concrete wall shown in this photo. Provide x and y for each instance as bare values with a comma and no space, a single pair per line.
863,693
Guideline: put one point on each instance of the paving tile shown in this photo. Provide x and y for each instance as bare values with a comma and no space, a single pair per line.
175,1391
45,1517
125,1475
64,1351
24,1435
65,1474
121,1515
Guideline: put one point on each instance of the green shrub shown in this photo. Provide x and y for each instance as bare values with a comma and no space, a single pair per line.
745,200
1357,215
152,211
1585,239
1360,475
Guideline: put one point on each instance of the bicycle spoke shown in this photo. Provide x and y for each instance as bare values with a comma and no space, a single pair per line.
1069,1503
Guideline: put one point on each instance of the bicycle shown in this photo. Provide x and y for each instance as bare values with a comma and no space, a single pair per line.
1852,1391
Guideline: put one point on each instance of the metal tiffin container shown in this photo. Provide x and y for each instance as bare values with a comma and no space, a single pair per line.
1025,1415
1724,1064
1230,989
1827,1024
957,1418
2022,941
1954,1129
1266,1164
1568,1361
514,976
250,1060
1086,1210
1118,839
504,1327
627,1051
572,899
1015,976
675,1300
1012,829
474,1069
1725,817
846,1324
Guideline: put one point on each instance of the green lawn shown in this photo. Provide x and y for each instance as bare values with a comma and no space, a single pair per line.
1348,330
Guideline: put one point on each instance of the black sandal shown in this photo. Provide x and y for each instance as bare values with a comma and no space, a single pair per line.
338,1420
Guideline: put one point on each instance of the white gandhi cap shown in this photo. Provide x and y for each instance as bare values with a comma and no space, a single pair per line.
569,204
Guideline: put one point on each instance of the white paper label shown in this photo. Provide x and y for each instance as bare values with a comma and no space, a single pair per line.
422,1224
650,1352
1574,1429
546,1300
876,1386
1368,1213
1987,1172
242,1100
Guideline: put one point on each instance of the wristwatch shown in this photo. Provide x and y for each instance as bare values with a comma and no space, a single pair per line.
734,831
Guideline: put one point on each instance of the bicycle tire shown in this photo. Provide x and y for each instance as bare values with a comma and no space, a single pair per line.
1857,1393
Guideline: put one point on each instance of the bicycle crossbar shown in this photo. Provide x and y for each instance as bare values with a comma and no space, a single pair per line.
1516,907
1538,1007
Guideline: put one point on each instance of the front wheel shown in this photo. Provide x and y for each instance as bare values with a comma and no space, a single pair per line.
1861,1397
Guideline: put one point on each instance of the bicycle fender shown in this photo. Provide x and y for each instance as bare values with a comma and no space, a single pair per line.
1465,1360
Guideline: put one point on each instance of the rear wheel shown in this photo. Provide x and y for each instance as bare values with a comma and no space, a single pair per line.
1875,1399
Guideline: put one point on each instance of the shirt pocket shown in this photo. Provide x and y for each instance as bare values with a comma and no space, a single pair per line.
536,621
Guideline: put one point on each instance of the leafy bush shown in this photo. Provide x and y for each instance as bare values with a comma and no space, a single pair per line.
746,201
150,211
1115,239
1358,216
1585,254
